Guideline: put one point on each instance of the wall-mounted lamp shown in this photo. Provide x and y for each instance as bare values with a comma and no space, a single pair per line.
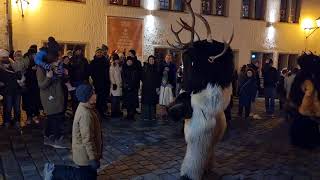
21,2
308,25
269,24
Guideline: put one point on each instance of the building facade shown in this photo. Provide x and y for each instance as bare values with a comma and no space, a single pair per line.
263,28
3,25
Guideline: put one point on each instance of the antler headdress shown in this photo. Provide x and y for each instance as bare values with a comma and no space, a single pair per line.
191,28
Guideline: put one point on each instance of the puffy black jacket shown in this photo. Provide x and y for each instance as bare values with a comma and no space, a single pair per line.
99,71
79,70
150,82
270,76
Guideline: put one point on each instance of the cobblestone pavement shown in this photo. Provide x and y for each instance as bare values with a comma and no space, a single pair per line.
256,149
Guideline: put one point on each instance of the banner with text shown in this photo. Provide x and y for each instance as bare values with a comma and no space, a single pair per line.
125,34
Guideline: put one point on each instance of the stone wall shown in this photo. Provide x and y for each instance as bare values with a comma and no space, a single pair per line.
3,25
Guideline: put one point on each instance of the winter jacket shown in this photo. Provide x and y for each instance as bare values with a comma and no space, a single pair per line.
247,91
79,70
131,84
150,84
31,95
9,79
270,76
257,75
115,78
51,93
86,135
288,83
99,71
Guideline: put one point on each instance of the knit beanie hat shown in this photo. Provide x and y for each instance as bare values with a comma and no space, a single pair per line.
4,53
84,92
99,49
104,47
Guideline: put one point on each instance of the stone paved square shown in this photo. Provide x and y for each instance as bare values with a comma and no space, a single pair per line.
257,150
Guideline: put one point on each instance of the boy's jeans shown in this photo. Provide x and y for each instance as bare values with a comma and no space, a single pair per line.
12,102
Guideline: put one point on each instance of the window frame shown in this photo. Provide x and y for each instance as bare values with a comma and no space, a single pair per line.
172,6
213,8
252,10
121,3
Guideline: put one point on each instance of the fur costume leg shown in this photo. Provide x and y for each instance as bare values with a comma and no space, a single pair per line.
218,133
199,129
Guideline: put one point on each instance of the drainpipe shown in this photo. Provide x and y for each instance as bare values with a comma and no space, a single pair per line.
9,24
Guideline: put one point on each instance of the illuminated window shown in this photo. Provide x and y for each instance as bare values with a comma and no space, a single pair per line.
82,1
214,7
134,3
289,61
290,11
173,5
254,9
165,4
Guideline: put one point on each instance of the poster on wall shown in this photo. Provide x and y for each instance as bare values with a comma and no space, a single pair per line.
125,34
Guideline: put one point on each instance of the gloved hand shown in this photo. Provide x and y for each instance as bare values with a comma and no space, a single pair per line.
114,87
94,164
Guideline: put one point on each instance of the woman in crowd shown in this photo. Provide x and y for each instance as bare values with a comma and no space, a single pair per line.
11,91
130,80
116,86
31,95
52,98
150,87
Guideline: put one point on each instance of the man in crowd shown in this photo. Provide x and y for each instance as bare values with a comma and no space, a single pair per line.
79,73
271,77
99,71
138,69
255,65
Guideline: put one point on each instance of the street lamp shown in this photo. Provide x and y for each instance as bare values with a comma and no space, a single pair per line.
310,27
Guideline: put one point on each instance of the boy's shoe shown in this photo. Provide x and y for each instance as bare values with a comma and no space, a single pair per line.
48,171
256,116
29,121
48,141
7,125
60,143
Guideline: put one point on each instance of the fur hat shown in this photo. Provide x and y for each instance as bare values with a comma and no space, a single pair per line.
84,92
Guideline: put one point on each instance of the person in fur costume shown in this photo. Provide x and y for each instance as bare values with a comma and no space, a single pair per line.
304,101
208,74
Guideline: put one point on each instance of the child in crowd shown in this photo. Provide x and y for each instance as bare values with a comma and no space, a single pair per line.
166,94
246,93
86,141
